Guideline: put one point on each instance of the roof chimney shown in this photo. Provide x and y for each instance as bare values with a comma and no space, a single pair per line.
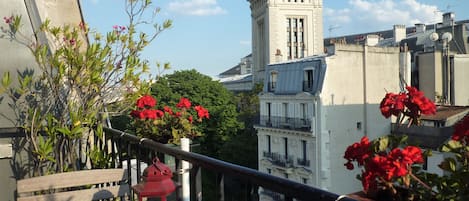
420,28
448,19
399,32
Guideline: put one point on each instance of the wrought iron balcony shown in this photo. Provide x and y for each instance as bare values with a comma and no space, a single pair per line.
282,160
300,124
302,162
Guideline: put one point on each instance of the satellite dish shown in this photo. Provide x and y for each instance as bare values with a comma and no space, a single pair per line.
433,36
447,36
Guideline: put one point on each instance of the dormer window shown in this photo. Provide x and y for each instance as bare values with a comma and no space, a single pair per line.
308,80
273,81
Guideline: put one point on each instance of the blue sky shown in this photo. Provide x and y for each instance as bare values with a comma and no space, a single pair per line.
212,35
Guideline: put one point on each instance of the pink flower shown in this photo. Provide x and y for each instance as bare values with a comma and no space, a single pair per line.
8,20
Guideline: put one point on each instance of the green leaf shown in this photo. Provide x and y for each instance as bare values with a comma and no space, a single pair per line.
383,144
6,80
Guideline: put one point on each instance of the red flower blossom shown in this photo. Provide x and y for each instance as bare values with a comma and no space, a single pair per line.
137,114
190,119
461,130
150,114
146,101
417,102
392,104
201,112
168,110
184,103
358,152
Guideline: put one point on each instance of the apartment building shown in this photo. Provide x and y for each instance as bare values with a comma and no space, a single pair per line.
313,108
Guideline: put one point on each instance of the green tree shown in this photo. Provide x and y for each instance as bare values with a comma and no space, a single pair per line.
202,90
65,98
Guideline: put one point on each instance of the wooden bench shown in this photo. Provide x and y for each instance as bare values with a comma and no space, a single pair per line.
61,186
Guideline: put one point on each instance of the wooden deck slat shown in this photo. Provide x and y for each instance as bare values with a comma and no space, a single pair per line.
81,195
70,179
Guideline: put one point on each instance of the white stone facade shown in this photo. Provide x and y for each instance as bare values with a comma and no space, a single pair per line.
340,108
271,41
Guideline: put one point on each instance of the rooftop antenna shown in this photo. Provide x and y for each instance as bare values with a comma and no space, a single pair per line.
331,28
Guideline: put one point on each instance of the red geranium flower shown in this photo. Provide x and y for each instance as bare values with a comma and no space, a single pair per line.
201,112
461,130
184,103
146,101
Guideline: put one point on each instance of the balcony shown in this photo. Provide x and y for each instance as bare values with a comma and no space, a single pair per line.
302,162
300,124
124,147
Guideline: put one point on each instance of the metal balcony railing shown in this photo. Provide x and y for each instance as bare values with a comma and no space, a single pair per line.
302,162
282,160
144,149
300,124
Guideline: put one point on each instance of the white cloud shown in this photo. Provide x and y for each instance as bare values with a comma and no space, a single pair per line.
375,15
196,7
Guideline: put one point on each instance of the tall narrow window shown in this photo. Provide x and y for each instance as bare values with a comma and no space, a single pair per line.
269,170
273,81
269,148
285,112
285,146
269,112
308,80
304,149
304,113
295,37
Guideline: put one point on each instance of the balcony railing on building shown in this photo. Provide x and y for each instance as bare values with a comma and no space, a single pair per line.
300,124
302,162
284,161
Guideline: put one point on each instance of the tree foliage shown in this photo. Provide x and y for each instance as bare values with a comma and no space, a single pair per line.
65,99
202,90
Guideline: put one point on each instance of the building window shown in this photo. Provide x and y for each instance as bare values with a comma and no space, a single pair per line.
273,81
269,170
304,149
308,80
285,175
285,143
304,113
295,37
269,148
305,180
285,112
269,113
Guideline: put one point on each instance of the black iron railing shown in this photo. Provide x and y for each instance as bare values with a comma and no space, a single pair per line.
300,124
303,162
143,149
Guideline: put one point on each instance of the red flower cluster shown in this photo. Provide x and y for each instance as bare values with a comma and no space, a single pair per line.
414,100
184,103
461,130
382,166
358,151
168,124
201,112
146,101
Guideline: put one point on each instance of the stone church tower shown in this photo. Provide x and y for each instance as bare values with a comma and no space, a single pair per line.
284,30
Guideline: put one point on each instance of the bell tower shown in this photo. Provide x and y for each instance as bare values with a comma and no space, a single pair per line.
284,30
